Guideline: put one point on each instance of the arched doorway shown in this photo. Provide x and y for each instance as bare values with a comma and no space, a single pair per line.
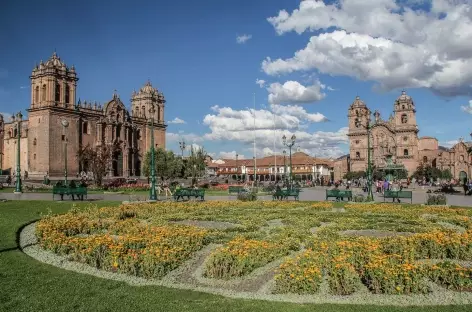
118,164
462,176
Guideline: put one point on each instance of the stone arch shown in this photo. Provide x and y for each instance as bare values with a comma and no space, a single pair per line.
404,118
43,93
36,95
57,94
67,93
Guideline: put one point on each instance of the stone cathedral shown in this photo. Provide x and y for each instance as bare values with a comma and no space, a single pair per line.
53,100
395,140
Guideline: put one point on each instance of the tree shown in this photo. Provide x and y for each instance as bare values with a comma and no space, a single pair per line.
353,175
195,163
98,159
167,165
427,172
446,174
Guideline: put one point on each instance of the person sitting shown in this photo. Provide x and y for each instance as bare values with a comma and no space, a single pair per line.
278,192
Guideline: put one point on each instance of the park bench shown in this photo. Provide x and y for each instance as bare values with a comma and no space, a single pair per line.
235,190
398,194
185,192
339,194
285,194
79,191
3,180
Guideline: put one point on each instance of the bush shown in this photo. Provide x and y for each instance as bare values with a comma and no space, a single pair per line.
439,199
247,196
359,198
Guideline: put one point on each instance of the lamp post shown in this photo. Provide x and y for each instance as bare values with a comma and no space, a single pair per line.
152,191
182,147
285,167
194,174
289,145
65,124
368,127
237,170
18,189
255,177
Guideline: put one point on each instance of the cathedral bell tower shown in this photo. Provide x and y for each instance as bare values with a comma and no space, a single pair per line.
359,117
53,84
405,112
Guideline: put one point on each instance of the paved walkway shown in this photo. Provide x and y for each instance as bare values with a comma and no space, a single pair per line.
312,194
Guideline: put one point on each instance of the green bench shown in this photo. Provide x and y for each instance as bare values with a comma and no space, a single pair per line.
79,191
339,194
285,194
398,194
189,193
235,189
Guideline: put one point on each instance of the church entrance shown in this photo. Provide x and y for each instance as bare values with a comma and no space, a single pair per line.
118,164
462,177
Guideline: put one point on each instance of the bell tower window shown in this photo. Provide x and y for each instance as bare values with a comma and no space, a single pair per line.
404,119
358,155
67,94
58,92
43,93
36,95
405,152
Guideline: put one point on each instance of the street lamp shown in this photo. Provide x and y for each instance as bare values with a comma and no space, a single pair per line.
18,189
182,147
65,124
237,170
289,145
194,174
152,191
285,167
368,127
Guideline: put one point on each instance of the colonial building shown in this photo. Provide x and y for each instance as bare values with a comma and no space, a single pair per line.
270,168
396,140
53,106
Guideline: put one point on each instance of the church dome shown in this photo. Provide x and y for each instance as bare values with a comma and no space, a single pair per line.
404,97
55,62
148,89
358,102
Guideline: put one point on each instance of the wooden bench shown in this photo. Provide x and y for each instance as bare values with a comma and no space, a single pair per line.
285,194
235,190
79,191
398,194
3,180
339,194
185,192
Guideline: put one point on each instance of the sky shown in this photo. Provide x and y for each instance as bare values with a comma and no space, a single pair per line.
302,63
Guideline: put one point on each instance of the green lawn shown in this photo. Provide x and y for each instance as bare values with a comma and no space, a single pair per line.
28,285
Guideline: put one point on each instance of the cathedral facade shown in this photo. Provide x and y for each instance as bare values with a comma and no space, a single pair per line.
57,124
396,141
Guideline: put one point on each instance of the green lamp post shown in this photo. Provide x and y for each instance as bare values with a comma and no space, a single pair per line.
368,127
289,145
65,124
18,188
152,191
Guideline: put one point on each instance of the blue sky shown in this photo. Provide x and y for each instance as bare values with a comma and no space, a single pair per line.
189,51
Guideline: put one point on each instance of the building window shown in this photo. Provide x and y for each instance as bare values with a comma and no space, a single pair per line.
357,123
15,133
34,141
138,134
43,93
404,119
425,159
67,94
403,106
405,152
357,141
358,155
85,127
34,156
405,138
36,95
58,92
461,158
39,120
63,137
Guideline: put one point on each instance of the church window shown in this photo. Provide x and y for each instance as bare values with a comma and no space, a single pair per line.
67,94
15,133
425,159
39,120
43,93
36,95
63,137
461,158
404,118
405,138
34,156
143,111
357,141
58,92
405,152
403,106
138,134
85,127
358,155
357,123
34,141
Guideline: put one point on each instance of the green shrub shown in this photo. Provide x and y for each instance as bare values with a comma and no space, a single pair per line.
247,196
439,199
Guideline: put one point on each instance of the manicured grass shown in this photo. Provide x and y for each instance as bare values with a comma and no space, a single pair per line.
28,285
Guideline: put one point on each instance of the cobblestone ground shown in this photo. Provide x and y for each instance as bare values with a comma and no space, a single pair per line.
312,194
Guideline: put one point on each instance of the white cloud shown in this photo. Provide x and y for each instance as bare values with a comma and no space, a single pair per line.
294,92
177,120
383,41
260,82
231,155
228,124
187,137
467,109
243,38
449,144
24,87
